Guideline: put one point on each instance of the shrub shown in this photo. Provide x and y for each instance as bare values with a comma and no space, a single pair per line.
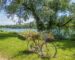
72,37
1,30
31,35
49,37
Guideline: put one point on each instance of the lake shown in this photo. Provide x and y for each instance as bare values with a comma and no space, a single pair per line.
26,29
16,30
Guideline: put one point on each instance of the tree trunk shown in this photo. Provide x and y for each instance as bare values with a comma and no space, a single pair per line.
39,23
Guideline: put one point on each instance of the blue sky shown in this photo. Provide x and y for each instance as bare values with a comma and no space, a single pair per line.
8,21
5,21
73,0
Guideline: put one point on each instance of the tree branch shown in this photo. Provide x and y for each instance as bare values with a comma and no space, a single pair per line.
39,23
25,6
67,22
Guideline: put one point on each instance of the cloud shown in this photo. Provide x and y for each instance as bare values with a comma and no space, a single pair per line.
9,21
4,20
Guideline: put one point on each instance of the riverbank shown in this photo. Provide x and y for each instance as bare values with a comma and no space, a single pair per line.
13,48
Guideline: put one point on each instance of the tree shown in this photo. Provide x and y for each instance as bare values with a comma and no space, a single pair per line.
45,12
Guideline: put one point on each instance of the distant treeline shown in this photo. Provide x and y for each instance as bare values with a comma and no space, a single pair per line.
27,25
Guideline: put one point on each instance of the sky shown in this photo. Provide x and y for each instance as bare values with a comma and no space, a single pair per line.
8,21
4,20
73,0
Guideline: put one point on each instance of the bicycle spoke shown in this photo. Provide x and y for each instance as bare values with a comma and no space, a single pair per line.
48,50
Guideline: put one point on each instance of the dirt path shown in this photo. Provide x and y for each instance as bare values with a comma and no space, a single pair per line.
3,58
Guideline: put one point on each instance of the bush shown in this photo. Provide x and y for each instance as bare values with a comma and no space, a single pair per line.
72,37
1,30
31,35
49,37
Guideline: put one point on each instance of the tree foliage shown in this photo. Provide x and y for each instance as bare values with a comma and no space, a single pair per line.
45,12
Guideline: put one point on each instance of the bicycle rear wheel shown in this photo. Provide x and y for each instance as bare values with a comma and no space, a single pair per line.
48,50
31,46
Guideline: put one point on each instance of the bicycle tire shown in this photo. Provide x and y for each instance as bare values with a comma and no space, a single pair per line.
48,50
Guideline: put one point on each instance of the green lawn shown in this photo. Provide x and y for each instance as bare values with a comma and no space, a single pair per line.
12,48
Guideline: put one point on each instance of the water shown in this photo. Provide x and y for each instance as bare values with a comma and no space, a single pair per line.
26,29
15,30
23,30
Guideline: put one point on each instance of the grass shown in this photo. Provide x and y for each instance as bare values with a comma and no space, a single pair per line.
12,48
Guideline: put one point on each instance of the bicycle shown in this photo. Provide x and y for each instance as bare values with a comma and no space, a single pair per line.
44,48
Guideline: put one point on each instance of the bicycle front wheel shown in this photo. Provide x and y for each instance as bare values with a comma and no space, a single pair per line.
48,50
